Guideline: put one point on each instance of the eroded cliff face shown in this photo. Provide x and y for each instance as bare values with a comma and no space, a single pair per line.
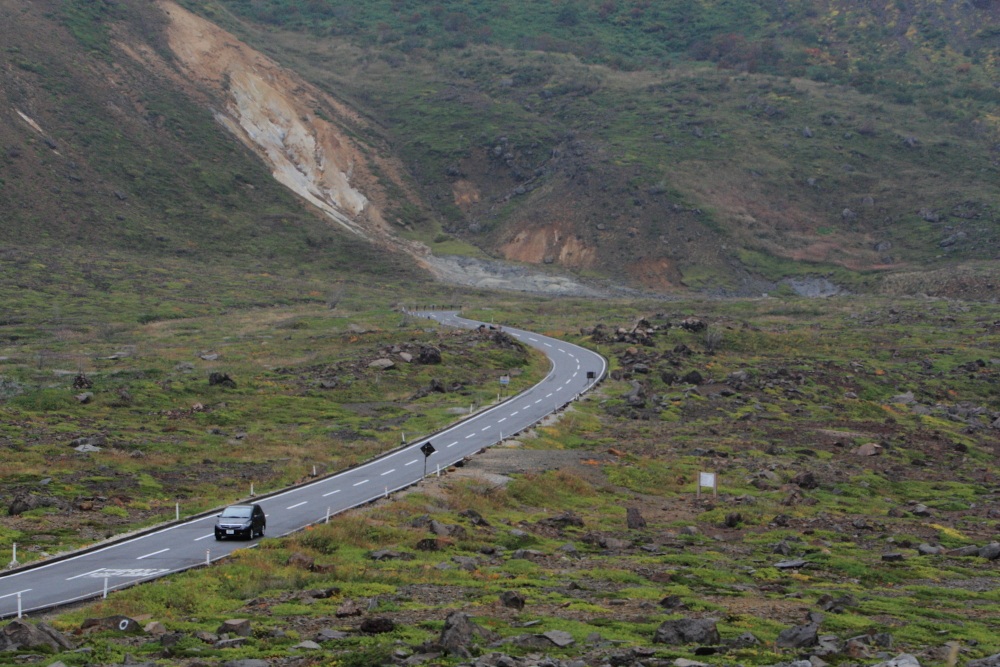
286,121
306,137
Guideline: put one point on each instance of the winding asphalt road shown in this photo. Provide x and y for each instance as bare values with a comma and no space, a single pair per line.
94,572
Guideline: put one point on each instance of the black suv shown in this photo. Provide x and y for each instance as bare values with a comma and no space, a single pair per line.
240,521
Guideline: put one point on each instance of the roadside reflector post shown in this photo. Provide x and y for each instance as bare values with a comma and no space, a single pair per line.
251,489
13,559
177,511
105,588
327,520
438,471
387,492
208,557
19,604
314,471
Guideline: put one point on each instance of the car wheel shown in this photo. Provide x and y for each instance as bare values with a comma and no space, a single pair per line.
218,538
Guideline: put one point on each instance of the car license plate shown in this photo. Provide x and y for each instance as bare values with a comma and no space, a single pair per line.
230,532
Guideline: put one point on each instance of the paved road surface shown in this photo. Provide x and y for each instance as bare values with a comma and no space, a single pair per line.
91,573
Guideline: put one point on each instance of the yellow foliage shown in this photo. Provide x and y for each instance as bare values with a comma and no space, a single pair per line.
948,531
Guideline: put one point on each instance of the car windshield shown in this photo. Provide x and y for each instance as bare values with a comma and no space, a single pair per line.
236,513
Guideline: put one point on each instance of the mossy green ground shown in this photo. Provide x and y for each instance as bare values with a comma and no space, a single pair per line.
824,379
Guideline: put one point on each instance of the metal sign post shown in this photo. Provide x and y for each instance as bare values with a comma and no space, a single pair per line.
427,448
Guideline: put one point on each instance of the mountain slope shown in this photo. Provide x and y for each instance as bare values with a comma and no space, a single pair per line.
837,139
683,146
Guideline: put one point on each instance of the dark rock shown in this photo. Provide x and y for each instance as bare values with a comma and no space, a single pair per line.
300,560
989,661
474,517
349,608
563,520
247,662
693,377
805,480
893,557
429,544
969,550
673,602
512,600
799,636
745,640
221,380
687,631
118,622
429,355
693,324
19,635
990,551
328,635
26,501
633,519
377,625
239,627
459,633
389,554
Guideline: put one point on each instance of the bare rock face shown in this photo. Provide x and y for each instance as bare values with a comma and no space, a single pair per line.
20,635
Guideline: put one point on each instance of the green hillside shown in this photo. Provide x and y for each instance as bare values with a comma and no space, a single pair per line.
683,143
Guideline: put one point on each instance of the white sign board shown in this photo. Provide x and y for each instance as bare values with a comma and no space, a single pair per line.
708,480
